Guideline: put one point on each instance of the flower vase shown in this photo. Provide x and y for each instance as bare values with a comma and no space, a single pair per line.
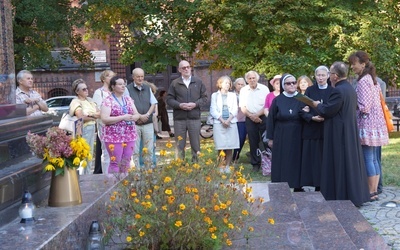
64,189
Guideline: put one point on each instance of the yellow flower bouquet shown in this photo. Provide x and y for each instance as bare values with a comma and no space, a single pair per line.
59,150
177,205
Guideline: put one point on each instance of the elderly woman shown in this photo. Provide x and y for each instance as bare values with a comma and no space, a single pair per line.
119,114
241,119
223,109
275,83
313,131
371,122
284,126
84,107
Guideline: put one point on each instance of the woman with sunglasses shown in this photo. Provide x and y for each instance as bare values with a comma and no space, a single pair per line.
284,127
84,107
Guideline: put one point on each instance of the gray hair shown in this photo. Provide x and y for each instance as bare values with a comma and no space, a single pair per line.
252,72
237,80
21,75
322,67
341,69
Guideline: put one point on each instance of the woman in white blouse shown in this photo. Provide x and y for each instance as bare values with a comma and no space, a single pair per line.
224,109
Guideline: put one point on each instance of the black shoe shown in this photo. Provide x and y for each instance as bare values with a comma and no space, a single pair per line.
379,191
171,135
256,168
158,137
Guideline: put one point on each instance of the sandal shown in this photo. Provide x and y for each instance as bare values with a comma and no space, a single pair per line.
373,197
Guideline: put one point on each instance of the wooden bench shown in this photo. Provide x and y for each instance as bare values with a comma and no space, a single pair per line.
396,122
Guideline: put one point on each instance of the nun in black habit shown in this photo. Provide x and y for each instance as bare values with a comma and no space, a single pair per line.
284,126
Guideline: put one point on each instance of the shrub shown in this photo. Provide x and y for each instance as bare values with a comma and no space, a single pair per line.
178,205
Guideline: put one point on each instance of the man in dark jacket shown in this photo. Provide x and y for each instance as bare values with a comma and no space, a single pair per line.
185,95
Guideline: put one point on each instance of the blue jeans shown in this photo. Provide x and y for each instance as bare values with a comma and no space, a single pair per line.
371,160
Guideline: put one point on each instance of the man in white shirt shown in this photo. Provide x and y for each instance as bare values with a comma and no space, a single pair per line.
251,102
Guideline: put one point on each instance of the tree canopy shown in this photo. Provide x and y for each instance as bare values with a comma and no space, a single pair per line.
270,36
41,26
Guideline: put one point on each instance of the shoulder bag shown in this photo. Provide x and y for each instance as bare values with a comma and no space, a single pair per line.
387,114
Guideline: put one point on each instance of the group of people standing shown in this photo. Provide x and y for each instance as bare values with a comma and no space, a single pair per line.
330,140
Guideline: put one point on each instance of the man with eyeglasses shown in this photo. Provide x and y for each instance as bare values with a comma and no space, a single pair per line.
186,95
26,95
251,102
343,174
145,103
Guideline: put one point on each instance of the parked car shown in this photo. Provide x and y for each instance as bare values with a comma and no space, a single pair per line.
57,107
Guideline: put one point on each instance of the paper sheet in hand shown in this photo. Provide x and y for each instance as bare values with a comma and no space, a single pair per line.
305,99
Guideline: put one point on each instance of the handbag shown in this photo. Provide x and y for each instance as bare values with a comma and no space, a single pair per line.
68,122
387,114
266,161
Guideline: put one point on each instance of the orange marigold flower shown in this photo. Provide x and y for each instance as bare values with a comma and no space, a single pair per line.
171,199
164,208
168,191
216,208
180,138
138,216
271,221
124,145
228,242
125,183
141,234
182,206
111,147
213,236
196,197
167,179
222,206
113,158
168,145
245,212
163,152
133,194
231,226
203,210
194,190
145,150
251,229
222,153
112,198
128,239
148,226
208,179
178,223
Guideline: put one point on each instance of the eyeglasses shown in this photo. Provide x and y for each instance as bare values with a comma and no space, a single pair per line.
333,73
290,83
185,67
84,89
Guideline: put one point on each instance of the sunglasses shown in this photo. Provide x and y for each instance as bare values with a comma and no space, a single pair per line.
84,89
290,83
185,67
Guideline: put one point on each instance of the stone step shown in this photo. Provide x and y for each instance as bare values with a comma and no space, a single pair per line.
323,228
356,226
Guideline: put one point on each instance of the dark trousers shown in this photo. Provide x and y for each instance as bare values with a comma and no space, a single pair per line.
242,138
254,132
380,184
97,161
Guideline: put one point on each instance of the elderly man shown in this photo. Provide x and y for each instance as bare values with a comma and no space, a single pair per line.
185,95
25,95
145,103
251,102
343,174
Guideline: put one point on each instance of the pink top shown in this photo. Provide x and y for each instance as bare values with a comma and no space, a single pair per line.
268,100
370,119
119,132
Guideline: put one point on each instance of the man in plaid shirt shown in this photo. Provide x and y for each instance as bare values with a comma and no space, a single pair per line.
25,95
